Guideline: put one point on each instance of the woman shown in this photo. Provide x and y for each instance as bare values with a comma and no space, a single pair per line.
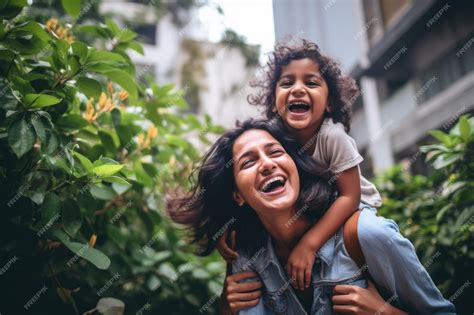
253,180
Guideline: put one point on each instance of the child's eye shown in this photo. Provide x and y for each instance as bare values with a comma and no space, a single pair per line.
312,83
285,83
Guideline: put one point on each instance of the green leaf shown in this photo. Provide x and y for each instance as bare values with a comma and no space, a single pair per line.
21,137
116,115
72,7
153,283
90,87
96,257
84,160
102,192
12,8
120,188
126,35
115,179
464,128
106,170
113,27
72,122
50,207
99,55
445,160
109,139
37,30
81,50
441,136
39,128
40,100
137,47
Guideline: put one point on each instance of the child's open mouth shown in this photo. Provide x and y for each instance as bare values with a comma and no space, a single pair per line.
298,107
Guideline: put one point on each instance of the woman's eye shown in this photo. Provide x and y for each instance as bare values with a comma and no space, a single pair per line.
276,152
246,163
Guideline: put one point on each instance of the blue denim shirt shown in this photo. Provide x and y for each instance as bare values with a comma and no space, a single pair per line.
390,259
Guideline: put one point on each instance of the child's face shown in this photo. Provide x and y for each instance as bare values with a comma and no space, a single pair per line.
301,96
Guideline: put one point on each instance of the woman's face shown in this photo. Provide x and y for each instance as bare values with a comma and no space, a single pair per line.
265,175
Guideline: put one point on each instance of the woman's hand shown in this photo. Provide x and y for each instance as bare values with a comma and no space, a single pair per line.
242,295
350,299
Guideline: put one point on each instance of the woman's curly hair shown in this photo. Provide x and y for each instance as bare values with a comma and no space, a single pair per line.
343,90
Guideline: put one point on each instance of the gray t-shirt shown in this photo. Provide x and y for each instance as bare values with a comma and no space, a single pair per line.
336,150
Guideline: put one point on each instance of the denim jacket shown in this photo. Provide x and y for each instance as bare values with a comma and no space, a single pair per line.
390,258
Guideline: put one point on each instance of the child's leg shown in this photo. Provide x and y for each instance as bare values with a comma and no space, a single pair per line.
394,266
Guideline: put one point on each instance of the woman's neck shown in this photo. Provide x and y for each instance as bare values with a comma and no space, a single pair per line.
286,228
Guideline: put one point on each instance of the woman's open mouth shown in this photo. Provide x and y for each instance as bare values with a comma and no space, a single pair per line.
299,107
273,186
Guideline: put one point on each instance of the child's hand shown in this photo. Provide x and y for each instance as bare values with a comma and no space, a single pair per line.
300,265
227,252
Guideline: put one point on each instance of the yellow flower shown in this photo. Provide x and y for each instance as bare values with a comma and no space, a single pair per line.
51,24
109,105
92,240
90,114
61,32
142,141
123,95
102,100
152,132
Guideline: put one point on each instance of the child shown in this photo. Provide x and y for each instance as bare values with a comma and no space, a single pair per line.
313,98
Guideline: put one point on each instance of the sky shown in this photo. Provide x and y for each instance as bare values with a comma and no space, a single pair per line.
251,18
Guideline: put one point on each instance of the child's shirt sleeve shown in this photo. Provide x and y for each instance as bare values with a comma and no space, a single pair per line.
339,149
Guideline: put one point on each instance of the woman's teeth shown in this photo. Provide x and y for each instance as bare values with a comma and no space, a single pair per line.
272,183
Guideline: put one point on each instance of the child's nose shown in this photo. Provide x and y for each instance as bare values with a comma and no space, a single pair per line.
298,90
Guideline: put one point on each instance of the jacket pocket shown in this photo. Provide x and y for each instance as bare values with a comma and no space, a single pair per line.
277,302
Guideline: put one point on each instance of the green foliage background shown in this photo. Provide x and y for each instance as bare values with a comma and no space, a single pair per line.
437,212
82,200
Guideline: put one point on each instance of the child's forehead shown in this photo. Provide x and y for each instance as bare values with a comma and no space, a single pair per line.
305,65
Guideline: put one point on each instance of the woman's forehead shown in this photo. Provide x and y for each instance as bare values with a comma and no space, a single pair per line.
252,139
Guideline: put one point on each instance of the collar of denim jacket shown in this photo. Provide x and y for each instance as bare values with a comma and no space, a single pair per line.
265,255
326,252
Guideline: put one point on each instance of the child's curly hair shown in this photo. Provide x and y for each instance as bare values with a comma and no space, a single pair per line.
343,90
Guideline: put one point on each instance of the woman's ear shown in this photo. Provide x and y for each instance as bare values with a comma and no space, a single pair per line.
238,198
274,108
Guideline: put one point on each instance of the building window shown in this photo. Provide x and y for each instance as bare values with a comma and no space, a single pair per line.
443,72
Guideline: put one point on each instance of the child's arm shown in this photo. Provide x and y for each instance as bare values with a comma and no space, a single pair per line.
301,260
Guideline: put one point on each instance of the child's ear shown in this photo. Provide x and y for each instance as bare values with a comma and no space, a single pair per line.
238,198
274,108
328,105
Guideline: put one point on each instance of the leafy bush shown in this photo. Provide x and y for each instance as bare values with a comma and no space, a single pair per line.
87,154
437,212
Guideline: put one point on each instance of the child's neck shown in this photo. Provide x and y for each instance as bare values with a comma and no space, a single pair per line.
307,138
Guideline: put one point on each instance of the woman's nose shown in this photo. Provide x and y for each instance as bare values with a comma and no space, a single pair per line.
267,165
